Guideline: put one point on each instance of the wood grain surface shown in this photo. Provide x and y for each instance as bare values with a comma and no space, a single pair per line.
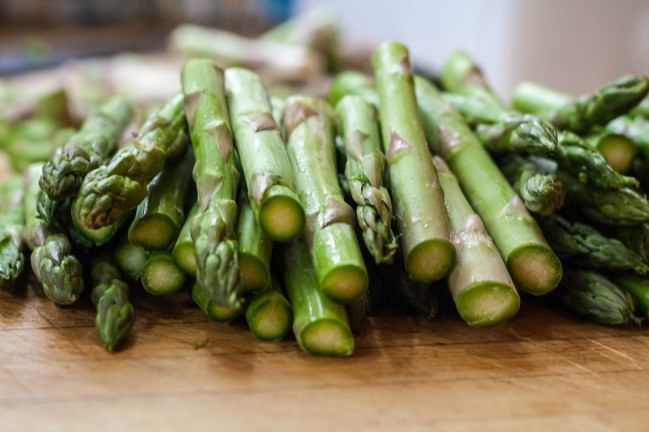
543,371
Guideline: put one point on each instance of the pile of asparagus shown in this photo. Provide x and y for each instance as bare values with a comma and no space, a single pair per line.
308,214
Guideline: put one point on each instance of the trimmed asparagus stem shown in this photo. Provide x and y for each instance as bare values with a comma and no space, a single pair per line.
618,150
638,287
214,311
417,195
183,251
255,248
12,222
110,192
161,275
131,258
582,113
319,324
329,227
263,155
353,83
364,170
530,261
160,216
482,289
217,180
269,315
634,129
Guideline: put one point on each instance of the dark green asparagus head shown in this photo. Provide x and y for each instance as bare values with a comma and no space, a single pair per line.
593,296
12,262
524,134
543,194
58,270
115,314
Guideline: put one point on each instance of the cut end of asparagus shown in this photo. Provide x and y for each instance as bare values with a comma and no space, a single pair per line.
327,338
345,283
535,269
155,231
220,313
186,258
253,273
619,152
430,261
488,303
161,276
270,320
281,214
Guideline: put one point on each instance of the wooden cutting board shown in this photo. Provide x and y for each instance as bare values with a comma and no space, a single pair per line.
543,371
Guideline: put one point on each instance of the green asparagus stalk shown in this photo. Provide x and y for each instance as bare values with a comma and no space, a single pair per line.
635,238
641,110
353,83
214,311
131,258
277,105
161,275
417,195
584,246
582,113
269,314
12,221
110,294
329,230
319,324
264,159
482,289
618,150
638,287
255,248
183,251
32,141
160,216
217,179
634,129
364,171
595,297
530,261
52,259
108,193
542,193
86,150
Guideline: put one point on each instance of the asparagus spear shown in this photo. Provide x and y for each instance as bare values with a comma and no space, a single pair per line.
115,314
353,83
264,159
329,226
418,200
595,297
584,246
108,193
638,287
214,311
255,248
131,258
634,129
32,141
530,261
183,251
160,216
364,168
542,193
277,105
269,314
618,150
635,238
582,113
52,260
161,275
641,110
482,289
217,179
319,324
86,150
12,221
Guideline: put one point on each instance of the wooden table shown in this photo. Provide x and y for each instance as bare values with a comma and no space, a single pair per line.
544,371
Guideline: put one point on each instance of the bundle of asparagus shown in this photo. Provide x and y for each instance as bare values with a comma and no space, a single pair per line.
307,214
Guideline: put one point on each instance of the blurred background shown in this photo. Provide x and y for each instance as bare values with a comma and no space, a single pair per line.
573,45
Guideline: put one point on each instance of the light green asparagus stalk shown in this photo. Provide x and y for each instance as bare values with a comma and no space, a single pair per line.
161,275
52,259
530,261
482,289
131,258
618,150
582,113
277,105
638,287
86,150
319,324
110,294
255,248
217,179
160,216
110,192
595,297
364,172
263,155
542,193
641,110
417,195
635,129
269,314
214,311
32,141
330,220
584,246
353,83
12,222
183,251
